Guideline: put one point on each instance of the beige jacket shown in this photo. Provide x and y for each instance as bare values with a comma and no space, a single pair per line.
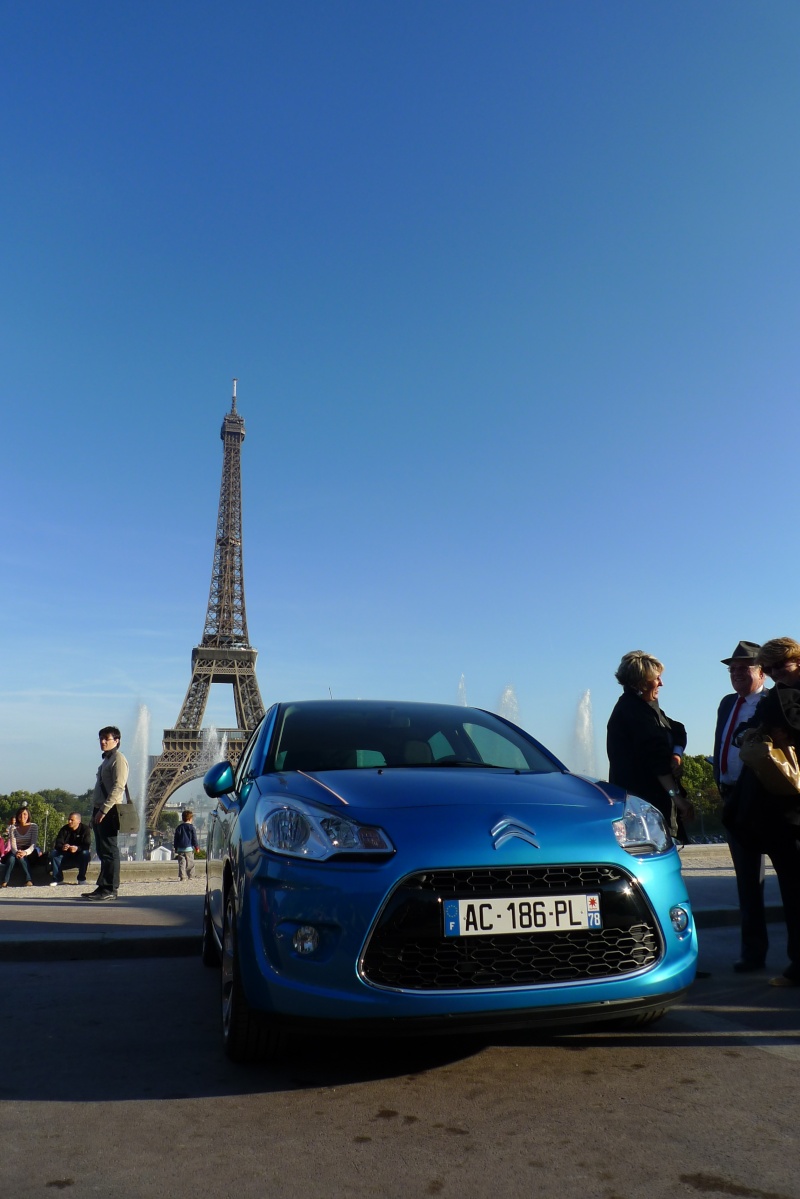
112,774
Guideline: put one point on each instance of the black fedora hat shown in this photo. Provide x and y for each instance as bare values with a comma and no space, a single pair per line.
745,652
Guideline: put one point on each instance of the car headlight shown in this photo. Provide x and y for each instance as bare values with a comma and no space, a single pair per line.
641,829
302,831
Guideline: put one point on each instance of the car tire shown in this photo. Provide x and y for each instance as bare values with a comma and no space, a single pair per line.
247,1036
209,952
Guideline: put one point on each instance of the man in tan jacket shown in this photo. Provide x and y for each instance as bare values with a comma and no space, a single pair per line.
109,791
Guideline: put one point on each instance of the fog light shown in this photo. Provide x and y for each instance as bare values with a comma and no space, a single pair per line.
306,939
680,919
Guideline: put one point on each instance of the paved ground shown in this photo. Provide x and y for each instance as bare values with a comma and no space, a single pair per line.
124,1091
155,916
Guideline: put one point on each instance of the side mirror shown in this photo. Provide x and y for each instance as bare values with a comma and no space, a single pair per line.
218,780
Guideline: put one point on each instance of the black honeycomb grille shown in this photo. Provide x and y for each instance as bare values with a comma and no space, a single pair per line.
408,949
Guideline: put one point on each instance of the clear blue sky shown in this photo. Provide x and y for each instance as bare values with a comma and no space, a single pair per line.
512,291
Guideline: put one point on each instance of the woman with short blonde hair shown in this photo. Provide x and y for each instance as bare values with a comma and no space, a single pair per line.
638,668
645,747
778,654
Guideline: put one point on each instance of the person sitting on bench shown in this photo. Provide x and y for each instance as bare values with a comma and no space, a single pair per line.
73,847
23,833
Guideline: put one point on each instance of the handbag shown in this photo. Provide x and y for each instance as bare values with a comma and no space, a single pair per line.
126,812
776,769
128,815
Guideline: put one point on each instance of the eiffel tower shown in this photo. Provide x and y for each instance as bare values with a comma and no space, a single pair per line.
223,656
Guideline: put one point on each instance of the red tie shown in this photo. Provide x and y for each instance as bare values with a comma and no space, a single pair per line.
723,761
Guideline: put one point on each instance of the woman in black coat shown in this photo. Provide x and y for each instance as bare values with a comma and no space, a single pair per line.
645,747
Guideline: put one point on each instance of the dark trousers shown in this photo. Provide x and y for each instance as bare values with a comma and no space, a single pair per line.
749,867
9,861
105,843
60,860
785,857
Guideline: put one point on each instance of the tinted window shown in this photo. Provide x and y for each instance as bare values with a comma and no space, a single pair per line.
357,735
496,748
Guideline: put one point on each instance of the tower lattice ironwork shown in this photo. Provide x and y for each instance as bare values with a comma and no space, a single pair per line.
223,656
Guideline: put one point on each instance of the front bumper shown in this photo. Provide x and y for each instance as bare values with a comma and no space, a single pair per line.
329,986
466,1023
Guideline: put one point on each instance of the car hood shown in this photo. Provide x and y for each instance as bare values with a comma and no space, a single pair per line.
440,786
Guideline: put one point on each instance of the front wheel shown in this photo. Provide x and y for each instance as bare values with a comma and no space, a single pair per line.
246,1034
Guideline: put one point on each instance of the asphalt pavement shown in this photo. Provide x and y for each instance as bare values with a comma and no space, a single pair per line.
125,1089
157,916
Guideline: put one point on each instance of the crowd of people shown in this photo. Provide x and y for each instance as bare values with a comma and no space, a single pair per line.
761,807
73,844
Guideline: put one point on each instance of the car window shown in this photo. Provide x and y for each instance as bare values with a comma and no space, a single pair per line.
495,749
340,735
369,757
440,747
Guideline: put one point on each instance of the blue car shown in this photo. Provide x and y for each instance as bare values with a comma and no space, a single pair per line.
412,867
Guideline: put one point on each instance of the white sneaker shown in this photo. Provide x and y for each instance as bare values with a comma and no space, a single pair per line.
55,884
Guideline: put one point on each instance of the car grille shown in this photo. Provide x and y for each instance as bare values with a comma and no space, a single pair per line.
408,950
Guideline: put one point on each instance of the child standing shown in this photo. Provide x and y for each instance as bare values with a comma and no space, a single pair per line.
185,844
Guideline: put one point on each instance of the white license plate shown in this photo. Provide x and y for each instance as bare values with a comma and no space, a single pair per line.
485,917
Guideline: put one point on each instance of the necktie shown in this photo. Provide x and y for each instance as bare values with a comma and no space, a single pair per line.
723,760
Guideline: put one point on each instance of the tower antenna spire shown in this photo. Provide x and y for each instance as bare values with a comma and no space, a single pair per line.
233,397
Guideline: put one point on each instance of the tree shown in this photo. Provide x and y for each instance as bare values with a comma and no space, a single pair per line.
698,780
66,802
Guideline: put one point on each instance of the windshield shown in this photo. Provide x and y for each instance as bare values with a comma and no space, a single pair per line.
362,734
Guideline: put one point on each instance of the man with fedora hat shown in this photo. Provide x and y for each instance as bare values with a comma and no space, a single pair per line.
747,680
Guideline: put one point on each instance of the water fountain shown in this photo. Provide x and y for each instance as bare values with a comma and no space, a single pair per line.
583,752
508,705
462,692
139,772
215,744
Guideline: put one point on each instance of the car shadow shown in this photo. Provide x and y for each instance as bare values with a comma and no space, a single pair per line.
149,1029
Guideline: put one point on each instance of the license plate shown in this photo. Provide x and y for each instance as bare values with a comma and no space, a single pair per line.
482,917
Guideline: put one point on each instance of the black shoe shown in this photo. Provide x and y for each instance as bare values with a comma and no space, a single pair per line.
99,896
745,966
